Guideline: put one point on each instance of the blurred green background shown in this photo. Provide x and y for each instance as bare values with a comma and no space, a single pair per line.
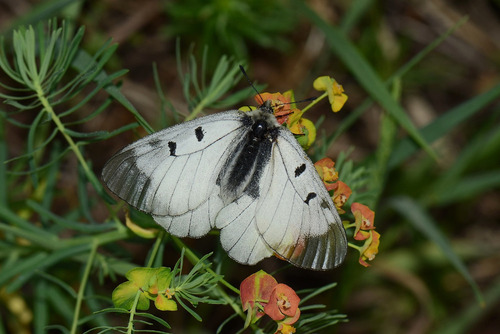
438,216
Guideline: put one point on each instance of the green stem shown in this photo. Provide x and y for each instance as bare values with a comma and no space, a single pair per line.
231,302
100,239
62,129
209,98
196,110
346,226
195,259
354,246
314,102
156,246
83,285
130,327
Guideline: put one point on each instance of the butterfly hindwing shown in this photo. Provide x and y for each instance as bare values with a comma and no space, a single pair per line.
239,235
195,223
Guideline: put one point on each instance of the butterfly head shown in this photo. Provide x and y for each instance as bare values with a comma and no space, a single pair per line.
279,107
267,107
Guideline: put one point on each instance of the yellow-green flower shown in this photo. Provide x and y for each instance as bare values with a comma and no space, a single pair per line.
334,90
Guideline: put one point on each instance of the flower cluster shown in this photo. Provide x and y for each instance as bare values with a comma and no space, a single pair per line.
166,287
288,114
364,227
152,284
365,231
261,294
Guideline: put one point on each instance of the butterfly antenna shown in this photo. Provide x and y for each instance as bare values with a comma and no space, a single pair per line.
256,91
301,101
305,100
250,82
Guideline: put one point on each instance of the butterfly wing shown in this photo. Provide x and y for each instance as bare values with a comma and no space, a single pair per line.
296,216
172,173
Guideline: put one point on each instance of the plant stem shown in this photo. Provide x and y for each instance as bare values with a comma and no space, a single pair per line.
194,259
314,102
62,129
130,327
199,107
156,246
231,302
83,284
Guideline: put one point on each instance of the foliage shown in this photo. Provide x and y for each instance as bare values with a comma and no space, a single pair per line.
64,247
229,26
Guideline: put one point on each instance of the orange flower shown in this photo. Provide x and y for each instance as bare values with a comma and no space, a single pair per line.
364,219
261,294
281,104
370,249
283,302
255,291
326,170
341,195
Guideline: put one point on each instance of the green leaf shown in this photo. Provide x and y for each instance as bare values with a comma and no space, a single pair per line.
142,277
421,220
364,73
468,187
464,321
125,294
40,12
444,124
83,61
3,169
164,277
162,303
47,261
187,308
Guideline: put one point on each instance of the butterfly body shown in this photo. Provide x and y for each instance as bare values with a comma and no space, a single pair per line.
240,172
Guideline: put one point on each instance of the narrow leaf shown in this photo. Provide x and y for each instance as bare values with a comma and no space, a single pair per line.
421,220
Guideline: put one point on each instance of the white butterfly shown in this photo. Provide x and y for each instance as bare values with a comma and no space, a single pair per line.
242,173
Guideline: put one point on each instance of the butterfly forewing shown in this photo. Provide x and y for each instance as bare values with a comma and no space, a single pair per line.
153,174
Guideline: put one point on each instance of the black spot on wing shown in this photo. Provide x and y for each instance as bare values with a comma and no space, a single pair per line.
310,196
299,170
172,145
199,133
156,143
324,205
